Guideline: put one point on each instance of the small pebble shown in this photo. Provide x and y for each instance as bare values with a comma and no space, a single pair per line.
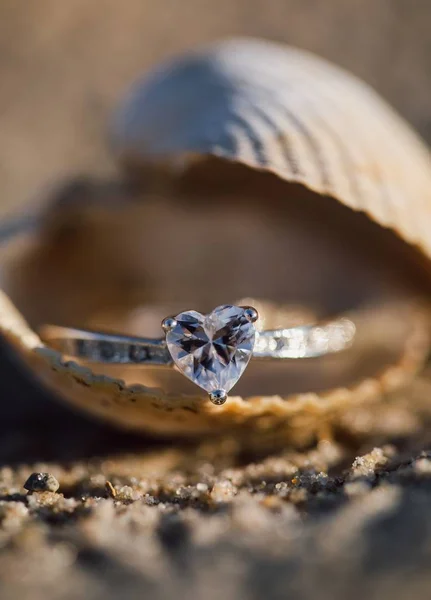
41,482
223,491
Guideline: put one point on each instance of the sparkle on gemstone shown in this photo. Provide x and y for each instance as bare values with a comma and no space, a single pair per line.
212,350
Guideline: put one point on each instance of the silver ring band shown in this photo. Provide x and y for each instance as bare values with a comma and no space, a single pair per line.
211,350
305,341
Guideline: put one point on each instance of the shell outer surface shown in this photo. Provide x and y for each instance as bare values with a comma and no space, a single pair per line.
283,110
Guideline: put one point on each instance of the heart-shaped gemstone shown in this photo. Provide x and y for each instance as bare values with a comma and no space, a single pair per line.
212,350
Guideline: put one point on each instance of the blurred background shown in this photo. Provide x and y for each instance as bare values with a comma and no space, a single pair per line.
65,65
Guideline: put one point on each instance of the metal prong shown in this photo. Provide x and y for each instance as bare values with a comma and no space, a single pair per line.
168,324
218,397
251,314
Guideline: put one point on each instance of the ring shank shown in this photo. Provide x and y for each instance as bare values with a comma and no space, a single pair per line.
305,341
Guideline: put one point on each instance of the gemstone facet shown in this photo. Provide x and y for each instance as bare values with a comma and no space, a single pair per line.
212,350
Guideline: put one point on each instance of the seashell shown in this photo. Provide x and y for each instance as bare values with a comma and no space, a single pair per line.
284,177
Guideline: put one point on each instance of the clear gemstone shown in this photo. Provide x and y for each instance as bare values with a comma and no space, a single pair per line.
212,350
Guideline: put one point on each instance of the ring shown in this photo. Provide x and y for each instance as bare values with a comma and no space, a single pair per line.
211,350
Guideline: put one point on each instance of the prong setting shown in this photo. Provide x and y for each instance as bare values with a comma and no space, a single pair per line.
251,314
218,397
168,324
